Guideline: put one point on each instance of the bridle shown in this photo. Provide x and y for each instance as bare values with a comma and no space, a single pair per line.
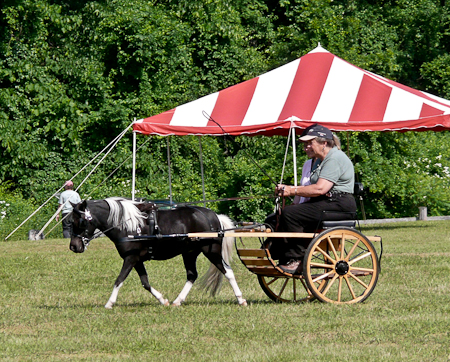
85,219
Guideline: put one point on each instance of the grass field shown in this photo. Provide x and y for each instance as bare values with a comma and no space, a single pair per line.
51,309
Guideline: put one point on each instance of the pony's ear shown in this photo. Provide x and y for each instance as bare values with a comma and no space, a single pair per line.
83,205
80,206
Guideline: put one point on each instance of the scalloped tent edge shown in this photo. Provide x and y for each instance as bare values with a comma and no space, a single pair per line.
316,88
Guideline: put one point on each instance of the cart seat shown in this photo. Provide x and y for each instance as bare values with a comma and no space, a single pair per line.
340,223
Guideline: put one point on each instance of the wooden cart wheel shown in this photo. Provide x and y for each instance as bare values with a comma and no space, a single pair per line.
347,259
287,289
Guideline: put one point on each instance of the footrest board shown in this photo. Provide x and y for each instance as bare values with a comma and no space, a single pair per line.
258,261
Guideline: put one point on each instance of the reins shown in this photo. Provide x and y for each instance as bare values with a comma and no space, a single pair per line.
86,240
225,199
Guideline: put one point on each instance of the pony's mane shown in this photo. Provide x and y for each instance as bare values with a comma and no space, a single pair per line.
124,214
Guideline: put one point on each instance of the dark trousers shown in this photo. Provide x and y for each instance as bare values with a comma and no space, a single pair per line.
306,218
67,225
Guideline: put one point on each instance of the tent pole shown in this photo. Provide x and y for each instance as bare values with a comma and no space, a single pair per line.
133,177
170,172
201,168
294,155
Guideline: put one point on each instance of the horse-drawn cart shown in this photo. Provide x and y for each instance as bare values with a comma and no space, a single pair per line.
341,265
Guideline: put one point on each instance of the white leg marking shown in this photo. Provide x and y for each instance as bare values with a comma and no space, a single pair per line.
159,296
113,297
237,292
183,294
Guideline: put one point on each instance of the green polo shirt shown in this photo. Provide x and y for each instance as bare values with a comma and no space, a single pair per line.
337,168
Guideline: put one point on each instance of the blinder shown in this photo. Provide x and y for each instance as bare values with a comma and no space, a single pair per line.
84,223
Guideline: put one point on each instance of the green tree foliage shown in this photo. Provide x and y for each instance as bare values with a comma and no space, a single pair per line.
402,171
74,74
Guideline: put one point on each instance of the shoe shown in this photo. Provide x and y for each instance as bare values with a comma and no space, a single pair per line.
291,267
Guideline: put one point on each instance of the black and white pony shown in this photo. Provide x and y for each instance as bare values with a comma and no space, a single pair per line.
118,218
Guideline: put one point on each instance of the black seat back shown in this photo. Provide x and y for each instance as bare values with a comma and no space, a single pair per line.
325,223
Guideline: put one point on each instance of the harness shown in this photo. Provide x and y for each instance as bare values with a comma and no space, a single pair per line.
86,219
152,221
153,228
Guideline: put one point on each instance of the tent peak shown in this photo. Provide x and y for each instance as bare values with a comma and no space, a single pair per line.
318,49
318,87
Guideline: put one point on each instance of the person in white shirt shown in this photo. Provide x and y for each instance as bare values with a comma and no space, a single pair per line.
68,196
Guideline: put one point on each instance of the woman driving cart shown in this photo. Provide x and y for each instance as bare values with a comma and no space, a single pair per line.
331,190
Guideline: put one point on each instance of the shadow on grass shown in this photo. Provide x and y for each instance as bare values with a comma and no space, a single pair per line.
209,303
157,305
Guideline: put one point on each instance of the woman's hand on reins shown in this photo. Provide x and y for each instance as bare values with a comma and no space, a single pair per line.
284,190
318,189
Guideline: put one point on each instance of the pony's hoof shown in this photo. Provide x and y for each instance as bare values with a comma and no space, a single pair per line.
109,305
166,303
244,303
177,304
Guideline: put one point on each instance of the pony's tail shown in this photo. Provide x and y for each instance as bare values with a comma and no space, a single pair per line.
212,280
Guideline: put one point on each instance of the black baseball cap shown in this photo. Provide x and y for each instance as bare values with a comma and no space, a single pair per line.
316,130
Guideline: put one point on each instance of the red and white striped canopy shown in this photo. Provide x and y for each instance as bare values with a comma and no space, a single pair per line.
316,88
